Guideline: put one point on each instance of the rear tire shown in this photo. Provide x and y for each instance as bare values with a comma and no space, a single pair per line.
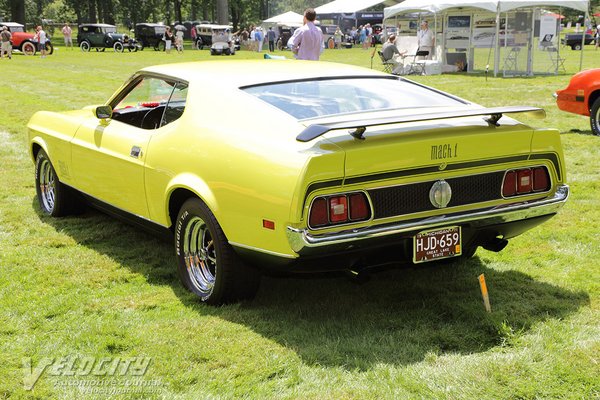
55,198
595,117
49,48
207,264
85,46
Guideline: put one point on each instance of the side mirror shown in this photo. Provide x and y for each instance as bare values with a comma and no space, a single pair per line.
103,112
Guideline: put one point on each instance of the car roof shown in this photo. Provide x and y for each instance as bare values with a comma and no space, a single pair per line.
100,25
235,73
214,26
11,24
149,24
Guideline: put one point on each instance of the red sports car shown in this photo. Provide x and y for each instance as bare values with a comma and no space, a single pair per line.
582,96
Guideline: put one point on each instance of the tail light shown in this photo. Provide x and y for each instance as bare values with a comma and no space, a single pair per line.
525,181
339,209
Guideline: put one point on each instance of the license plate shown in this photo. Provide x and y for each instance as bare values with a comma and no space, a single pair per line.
437,244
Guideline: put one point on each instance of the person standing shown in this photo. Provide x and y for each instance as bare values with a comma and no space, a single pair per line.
258,35
179,41
425,39
337,38
5,37
168,39
67,33
193,35
271,39
41,38
307,41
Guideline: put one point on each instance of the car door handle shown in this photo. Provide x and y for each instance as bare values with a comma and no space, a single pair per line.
136,152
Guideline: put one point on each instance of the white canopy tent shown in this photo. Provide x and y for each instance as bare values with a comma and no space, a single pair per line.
349,6
437,7
288,18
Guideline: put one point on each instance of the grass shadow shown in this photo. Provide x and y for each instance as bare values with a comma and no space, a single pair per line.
399,317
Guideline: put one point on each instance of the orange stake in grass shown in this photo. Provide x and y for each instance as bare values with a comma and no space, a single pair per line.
484,293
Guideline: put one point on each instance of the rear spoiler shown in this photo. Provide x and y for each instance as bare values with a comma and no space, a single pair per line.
360,126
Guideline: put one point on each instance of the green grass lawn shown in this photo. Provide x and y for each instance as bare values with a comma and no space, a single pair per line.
89,287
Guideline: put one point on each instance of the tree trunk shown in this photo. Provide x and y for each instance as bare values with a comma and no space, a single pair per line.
177,5
17,11
222,12
92,16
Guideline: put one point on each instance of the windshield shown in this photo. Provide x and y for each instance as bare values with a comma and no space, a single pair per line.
318,98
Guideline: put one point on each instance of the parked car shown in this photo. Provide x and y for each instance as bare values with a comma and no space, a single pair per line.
582,96
150,35
573,40
206,32
102,36
325,166
24,41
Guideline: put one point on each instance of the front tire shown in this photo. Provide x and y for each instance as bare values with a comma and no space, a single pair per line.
595,117
118,46
54,197
28,48
207,264
49,48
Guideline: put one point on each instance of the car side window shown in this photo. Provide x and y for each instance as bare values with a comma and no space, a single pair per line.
176,104
151,102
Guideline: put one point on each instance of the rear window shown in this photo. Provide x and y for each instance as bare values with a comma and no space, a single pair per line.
324,97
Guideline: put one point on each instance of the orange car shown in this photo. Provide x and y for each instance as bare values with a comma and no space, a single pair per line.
582,96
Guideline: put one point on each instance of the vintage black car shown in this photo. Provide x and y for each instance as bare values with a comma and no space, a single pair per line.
573,40
150,35
102,36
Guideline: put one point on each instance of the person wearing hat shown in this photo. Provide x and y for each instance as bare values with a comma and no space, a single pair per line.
6,37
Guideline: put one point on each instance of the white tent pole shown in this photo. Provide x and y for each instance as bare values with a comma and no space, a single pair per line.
497,50
587,16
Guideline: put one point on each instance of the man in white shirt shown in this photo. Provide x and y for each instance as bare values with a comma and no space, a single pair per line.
307,41
425,39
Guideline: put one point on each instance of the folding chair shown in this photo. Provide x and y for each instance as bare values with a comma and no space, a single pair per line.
388,65
418,66
557,61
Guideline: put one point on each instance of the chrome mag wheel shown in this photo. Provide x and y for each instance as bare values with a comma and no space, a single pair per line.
47,185
200,255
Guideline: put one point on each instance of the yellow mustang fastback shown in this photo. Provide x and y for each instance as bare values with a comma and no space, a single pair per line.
292,165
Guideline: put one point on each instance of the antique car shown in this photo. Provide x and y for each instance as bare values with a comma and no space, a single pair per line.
574,40
206,34
24,41
324,167
103,36
150,35
582,96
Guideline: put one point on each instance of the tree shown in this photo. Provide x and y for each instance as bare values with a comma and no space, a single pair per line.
17,11
222,12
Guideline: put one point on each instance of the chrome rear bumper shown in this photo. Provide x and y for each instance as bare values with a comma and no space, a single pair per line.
301,239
